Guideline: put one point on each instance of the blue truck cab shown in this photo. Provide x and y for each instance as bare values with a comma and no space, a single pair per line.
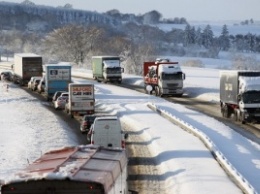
57,78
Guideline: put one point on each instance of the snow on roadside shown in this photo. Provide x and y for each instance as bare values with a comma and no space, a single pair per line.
32,130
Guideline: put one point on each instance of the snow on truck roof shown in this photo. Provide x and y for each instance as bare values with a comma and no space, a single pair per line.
86,163
169,68
106,56
107,118
58,64
111,63
27,55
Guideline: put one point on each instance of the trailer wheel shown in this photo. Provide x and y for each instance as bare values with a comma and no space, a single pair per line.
71,115
242,118
236,115
226,111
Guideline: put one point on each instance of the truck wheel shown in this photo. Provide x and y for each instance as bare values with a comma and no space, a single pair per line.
226,111
242,118
71,115
236,115
157,91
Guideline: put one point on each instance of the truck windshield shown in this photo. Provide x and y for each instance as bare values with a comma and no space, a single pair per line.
251,97
113,70
172,76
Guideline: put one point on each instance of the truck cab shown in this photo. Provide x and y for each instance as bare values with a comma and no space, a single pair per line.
164,77
107,68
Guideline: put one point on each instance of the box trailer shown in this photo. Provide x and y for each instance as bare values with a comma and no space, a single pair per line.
57,78
239,95
26,65
81,99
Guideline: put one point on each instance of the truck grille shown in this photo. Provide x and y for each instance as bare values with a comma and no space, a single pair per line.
172,85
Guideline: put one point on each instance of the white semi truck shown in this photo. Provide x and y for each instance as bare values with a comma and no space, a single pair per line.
163,77
240,95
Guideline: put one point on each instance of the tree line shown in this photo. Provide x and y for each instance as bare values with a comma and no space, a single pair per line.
134,43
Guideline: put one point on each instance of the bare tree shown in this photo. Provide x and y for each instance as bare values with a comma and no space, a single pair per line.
67,43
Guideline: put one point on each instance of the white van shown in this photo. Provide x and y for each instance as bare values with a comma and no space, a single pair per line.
106,131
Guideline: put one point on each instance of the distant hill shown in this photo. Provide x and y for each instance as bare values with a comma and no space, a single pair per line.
45,18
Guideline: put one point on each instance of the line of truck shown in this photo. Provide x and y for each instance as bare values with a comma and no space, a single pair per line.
238,89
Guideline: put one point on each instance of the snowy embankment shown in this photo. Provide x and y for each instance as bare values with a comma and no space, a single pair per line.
218,155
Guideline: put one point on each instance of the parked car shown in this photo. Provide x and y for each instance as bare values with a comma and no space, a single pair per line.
88,120
6,75
41,86
56,95
35,84
60,102
31,84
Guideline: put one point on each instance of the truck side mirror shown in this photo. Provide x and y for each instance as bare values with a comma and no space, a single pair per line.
239,97
126,135
183,76
122,70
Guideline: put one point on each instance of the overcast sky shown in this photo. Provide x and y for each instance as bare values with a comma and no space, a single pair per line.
207,10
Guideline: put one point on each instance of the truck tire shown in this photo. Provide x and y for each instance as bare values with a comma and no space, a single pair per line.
71,114
226,111
236,115
158,91
242,118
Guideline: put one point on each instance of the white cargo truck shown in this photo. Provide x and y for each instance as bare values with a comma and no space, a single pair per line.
81,99
26,65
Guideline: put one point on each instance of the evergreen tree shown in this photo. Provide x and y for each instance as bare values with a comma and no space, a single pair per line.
250,42
193,35
198,36
207,37
187,35
239,42
224,40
